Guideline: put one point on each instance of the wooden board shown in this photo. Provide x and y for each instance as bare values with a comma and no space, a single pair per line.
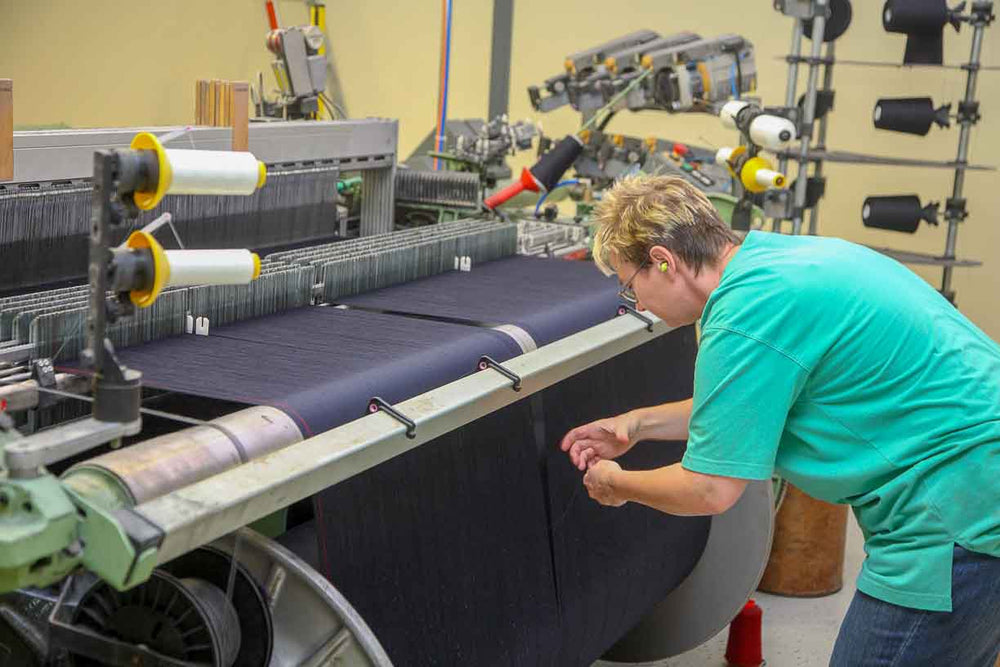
240,115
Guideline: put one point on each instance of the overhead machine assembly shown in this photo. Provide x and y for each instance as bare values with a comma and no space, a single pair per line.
408,412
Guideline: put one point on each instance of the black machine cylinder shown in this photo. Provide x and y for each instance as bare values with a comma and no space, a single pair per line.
912,115
138,170
118,400
898,213
131,269
838,20
922,21
554,164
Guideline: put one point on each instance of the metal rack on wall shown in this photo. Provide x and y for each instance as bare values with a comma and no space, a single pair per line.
916,116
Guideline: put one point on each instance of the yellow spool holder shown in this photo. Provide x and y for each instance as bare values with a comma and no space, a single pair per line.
140,240
148,142
748,175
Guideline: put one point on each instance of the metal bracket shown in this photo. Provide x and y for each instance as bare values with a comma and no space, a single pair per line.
488,362
955,209
24,458
968,112
44,374
623,309
982,12
800,9
376,404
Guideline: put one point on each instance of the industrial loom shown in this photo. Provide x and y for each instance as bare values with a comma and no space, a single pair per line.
386,408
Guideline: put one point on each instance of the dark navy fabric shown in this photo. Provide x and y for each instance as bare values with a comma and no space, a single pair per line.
548,298
480,548
613,564
444,550
319,365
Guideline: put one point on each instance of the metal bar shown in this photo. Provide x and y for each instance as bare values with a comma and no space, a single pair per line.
963,154
503,28
105,168
908,257
24,395
808,115
25,456
202,512
849,157
821,134
52,155
790,90
16,353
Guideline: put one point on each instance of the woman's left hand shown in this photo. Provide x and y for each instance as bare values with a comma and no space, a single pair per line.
600,482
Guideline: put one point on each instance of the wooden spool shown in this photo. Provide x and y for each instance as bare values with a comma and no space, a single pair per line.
807,555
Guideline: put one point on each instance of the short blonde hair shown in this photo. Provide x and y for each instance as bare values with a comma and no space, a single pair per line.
644,211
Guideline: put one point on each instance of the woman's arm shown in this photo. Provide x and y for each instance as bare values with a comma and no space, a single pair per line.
663,422
672,489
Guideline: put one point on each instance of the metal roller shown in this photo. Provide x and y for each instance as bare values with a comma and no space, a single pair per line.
169,462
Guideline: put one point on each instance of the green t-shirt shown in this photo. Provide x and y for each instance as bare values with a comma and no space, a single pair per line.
860,384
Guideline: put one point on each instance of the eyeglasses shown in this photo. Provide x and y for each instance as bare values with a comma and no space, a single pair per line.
627,293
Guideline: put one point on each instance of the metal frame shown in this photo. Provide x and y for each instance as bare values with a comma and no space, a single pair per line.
782,209
981,17
51,155
503,28
367,145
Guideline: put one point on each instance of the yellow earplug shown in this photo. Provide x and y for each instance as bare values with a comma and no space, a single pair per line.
664,267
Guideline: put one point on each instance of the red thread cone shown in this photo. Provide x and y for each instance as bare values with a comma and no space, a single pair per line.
743,648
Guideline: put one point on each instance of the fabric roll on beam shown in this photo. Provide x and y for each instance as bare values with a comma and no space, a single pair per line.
319,365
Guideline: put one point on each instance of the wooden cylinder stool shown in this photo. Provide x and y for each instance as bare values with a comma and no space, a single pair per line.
807,555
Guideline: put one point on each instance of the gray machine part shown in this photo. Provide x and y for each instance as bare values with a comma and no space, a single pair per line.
296,61
725,577
365,145
314,624
370,143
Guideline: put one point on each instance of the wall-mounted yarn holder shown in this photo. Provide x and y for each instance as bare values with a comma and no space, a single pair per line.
923,21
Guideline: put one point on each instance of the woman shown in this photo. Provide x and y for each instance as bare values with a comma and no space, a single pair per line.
847,374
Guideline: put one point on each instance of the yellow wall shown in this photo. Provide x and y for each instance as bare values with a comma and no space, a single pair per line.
118,62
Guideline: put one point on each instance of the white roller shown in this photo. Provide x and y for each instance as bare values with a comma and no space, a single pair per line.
213,172
768,178
211,267
722,156
729,111
772,132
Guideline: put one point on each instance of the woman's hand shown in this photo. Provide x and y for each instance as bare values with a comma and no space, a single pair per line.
600,483
603,439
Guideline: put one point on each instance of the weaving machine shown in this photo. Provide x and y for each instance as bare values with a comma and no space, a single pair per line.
416,405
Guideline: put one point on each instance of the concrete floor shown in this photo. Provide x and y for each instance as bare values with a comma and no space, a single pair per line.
797,632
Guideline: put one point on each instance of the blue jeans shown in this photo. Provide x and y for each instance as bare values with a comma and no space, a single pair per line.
880,634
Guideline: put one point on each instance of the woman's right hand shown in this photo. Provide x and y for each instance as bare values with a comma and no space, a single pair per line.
604,439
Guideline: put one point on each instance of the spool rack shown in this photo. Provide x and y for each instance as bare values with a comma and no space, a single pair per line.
979,17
